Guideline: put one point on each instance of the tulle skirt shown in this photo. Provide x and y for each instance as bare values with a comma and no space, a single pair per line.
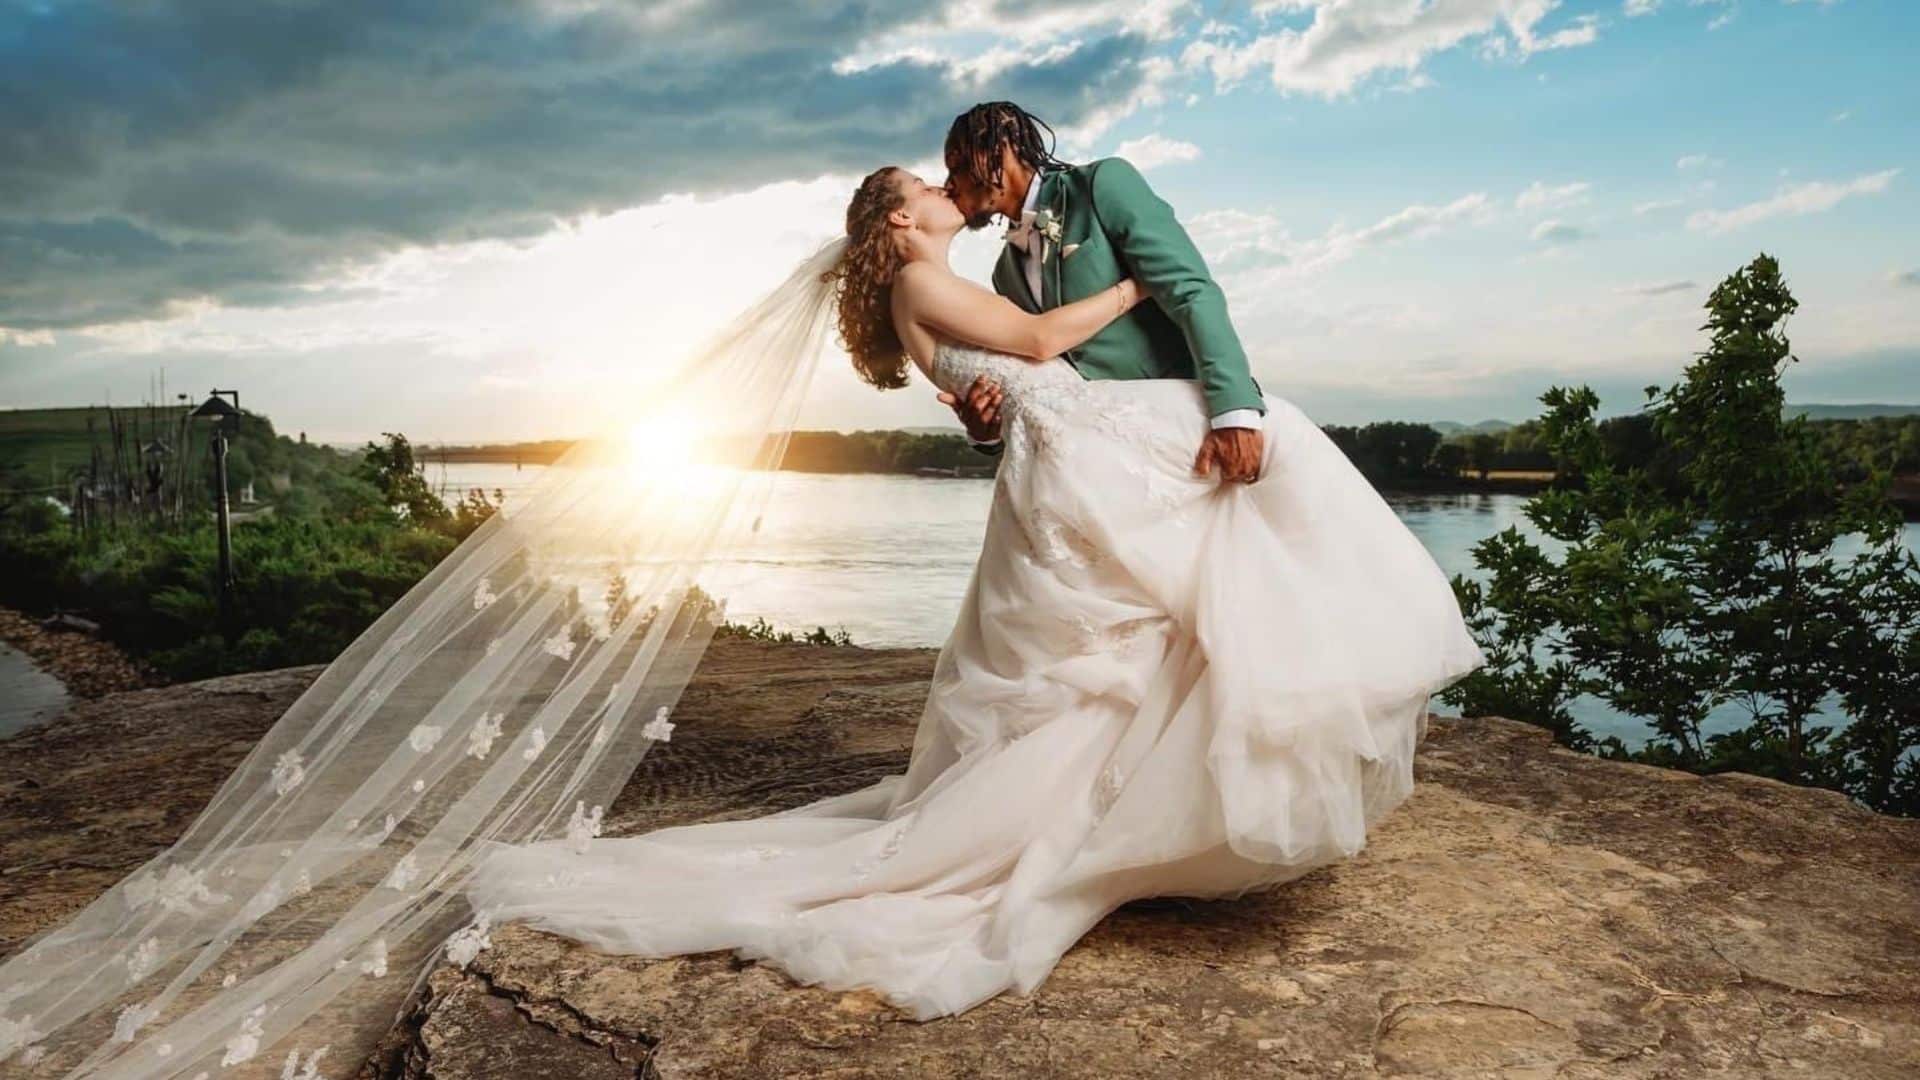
1158,685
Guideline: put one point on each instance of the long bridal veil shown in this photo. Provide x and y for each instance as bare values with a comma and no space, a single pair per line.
505,699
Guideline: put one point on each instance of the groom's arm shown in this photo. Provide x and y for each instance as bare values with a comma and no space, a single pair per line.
1156,249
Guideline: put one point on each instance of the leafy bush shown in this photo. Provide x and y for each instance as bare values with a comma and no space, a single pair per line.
1703,569
337,551
762,630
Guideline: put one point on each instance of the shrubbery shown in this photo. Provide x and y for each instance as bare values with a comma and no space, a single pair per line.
1717,556
338,549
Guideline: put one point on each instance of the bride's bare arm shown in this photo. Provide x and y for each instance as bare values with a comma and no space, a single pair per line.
959,309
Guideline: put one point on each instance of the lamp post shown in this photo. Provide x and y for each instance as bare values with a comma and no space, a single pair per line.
225,420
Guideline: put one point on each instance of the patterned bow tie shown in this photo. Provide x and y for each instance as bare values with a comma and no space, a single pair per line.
1020,233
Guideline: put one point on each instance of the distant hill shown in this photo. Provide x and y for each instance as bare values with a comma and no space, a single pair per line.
1451,428
39,447
1849,412
47,450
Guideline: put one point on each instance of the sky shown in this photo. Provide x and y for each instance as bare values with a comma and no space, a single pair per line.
502,220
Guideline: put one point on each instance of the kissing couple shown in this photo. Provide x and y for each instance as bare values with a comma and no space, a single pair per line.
1194,659
1164,680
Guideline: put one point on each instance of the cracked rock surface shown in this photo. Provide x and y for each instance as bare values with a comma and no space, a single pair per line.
1529,912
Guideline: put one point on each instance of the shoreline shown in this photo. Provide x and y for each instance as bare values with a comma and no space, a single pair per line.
1903,492
1493,485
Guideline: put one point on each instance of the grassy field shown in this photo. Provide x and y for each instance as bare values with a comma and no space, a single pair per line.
40,447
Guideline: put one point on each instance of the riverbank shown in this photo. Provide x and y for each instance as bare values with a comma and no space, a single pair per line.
1529,911
970,465
1903,492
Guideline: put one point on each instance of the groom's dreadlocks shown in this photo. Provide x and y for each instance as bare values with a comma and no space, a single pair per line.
975,139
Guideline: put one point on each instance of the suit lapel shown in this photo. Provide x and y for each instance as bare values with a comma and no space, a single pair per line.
1053,186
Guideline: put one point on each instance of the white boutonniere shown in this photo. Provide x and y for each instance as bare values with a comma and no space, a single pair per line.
1050,228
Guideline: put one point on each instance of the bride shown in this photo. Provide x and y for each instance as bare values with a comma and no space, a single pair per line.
1158,684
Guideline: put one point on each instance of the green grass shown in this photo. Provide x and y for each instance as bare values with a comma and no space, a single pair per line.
40,447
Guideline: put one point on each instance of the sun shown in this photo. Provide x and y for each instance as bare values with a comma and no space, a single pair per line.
662,445
667,455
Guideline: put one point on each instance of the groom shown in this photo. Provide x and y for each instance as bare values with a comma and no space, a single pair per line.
1078,229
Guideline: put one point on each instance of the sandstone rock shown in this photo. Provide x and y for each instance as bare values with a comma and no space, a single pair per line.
1529,912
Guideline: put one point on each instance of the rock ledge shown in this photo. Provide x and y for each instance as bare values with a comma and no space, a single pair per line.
1529,912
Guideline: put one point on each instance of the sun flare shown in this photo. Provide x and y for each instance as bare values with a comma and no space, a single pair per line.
671,455
662,445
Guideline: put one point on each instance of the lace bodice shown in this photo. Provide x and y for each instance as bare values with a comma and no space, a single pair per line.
956,366
1036,396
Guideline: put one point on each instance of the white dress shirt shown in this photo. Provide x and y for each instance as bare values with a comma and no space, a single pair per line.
1026,240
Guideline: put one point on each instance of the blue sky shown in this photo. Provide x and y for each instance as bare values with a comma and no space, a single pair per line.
501,219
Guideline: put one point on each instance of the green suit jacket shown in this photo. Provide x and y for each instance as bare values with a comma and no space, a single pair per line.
1113,226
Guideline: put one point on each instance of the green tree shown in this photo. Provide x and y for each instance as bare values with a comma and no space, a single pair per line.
392,469
472,511
1707,572
1449,459
1483,452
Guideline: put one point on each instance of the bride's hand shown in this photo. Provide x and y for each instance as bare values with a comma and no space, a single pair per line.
1130,294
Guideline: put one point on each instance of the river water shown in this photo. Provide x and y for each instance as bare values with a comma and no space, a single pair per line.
887,558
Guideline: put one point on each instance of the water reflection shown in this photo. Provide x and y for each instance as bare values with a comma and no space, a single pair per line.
887,558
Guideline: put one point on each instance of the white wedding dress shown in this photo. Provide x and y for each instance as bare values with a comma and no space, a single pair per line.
1158,684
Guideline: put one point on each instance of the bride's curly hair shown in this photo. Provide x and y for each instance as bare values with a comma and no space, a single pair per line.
864,275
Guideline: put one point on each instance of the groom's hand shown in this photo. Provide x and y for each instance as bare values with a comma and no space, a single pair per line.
1237,451
978,409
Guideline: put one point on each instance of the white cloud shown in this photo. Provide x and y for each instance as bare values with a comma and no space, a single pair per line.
1659,288
25,339
1155,72
1539,196
1350,42
1553,233
1909,278
1419,220
348,148
1635,8
1656,205
1150,151
952,32
1240,242
554,337
1697,161
1809,198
